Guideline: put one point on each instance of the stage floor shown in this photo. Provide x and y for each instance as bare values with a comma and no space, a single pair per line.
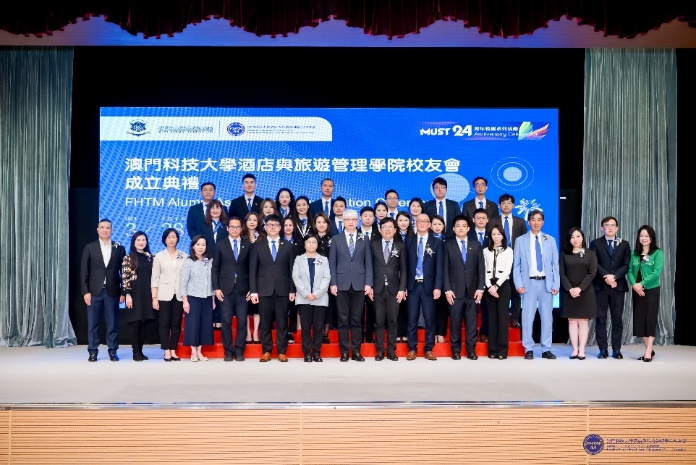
34,375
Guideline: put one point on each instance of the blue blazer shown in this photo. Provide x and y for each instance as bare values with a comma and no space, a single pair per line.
347,271
195,220
432,262
522,261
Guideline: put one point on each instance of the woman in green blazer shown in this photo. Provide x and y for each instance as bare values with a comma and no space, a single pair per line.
644,272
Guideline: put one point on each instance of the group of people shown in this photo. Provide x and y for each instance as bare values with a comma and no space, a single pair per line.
289,263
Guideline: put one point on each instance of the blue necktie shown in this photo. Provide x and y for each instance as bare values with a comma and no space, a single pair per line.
506,228
236,251
249,204
464,251
539,260
326,208
367,235
419,264
441,210
274,251
304,221
480,204
611,248
481,238
340,226
392,214
351,245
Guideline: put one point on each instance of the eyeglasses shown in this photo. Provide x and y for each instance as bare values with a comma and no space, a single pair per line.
234,227
391,197
610,225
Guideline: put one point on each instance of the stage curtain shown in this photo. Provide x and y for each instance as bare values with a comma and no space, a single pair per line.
630,159
35,114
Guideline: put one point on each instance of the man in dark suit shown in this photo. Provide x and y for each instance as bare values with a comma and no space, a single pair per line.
339,206
480,201
463,282
390,266
195,219
513,227
325,203
424,284
248,201
272,287
100,283
350,260
441,206
230,278
613,256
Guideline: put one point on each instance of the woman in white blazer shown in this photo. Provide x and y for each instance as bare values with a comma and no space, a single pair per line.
498,259
312,276
165,289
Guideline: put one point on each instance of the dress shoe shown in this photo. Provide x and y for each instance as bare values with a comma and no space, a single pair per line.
143,356
581,357
652,355
137,357
344,357
113,357
255,341
547,354
266,357
167,359
616,354
471,356
229,358
92,358
573,357
429,355
502,357
175,358
529,355
308,358
380,356
291,340
317,358
492,356
456,356
392,356
203,358
282,358
603,354
249,341
357,357
239,358
411,355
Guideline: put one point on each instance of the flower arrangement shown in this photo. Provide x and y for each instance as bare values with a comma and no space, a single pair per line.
179,255
645,258
545,236
617,241
581,252
318,262
428,250
116,245
395,252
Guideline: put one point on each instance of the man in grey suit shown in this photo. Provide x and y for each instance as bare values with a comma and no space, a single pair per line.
448,209
390,271
350,260
537,277
514,227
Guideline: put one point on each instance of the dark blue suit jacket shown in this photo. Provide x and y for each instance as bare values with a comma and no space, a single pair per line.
432,262
616,264
430,207
195,220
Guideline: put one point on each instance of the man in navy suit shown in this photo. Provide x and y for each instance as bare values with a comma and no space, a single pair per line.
271,286
480,201
448,209
230,278
195,219
613,256
339,207
100,283
325,203
248,201
424,284
463,282
350,260
535,266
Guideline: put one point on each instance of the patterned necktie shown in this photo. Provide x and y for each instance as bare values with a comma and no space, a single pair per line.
480,204
506,228
386,251
539,260
274,251
351,245
340,226
441,210
611,248
249,204
464,251
419,264
326,208
481,238
236,251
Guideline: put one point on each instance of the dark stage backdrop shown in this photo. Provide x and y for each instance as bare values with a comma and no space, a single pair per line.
317,77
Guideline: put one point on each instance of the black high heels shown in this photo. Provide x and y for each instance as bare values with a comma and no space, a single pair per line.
652,355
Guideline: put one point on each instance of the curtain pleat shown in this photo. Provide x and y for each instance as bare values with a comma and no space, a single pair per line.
630,159
35,115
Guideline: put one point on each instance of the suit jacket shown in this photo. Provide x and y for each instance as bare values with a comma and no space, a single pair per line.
374,233
211,240
473,236
239,207
268,277
195,220
432,262
463,279
616,264
93,272
318,207
393,270
430,207
225,267
322,279
165,277
470,205
522,261
347,271
517,228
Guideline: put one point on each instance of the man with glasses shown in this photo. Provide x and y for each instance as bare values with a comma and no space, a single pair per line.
448,209
272,287
350,260
613,256
230,278
392,199
480,201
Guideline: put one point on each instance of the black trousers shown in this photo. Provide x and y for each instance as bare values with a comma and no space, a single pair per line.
609,301
350,306
170,314
386,311
234,304
463,309
274,309
497,309
369,321
312,319
441,316
136,331
515,302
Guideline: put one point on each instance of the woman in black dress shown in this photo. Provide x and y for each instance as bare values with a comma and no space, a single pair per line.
293,236
577,269
136,273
